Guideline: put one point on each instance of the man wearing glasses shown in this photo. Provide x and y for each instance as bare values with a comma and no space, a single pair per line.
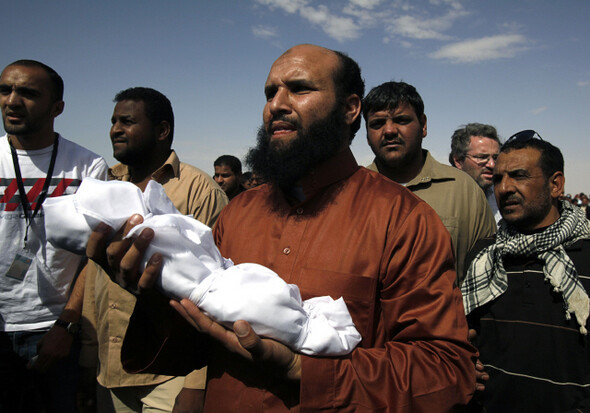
525,292
474,149
396,125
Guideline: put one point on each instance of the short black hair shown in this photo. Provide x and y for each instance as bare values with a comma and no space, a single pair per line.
551,159
229,160
157,106
348,81
57,83
389,95
462,138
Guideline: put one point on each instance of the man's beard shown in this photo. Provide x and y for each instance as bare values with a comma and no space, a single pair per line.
284,164
534,210
27,127
482,182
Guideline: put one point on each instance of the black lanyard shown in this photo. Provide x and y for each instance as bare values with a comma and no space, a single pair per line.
21,187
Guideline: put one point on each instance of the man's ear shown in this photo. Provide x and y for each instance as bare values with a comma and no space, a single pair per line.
58,108
557,184
352,108
457,164
164,130
423,123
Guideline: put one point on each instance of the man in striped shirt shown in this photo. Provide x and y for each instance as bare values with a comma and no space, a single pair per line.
525,291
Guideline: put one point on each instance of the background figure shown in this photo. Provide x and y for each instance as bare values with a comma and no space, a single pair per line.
526,290
256,179
36,326
396,126
246,178
474,149
228,175
141,134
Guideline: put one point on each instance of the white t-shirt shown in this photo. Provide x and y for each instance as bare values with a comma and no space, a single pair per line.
38,300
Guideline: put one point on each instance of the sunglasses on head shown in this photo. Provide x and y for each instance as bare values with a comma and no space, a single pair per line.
523,136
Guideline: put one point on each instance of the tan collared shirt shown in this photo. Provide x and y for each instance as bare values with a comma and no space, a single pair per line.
459,202
107,306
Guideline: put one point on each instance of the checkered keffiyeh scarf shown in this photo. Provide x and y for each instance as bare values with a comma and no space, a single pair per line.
486,277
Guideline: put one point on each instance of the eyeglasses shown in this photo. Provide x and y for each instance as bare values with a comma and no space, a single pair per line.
482,159
523,136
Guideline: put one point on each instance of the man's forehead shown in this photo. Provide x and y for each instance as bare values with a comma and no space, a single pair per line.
287,71
25,76
128,106
484,143
304,61
394,110
223,169
526,158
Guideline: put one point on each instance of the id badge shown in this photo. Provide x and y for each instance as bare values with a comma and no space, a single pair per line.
20,265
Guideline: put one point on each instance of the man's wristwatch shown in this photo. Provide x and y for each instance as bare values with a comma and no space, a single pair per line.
72,328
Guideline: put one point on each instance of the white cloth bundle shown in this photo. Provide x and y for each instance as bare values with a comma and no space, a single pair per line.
193,267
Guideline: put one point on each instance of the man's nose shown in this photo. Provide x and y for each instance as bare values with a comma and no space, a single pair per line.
390,128
116,129
13,98
280,102
505,185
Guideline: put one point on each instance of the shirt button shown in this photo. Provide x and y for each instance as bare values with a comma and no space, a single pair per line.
287,251
115,339
113,305
299,211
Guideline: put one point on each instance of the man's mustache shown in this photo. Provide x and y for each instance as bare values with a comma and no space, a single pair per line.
282,118
510,199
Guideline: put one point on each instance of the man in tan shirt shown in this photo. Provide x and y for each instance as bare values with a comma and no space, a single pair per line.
396,126
141,134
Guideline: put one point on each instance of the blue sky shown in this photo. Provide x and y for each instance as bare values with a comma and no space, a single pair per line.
520,64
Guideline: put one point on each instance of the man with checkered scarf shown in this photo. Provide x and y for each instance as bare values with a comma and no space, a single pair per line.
523,287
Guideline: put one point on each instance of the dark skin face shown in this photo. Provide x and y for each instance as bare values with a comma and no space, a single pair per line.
137,142
305,121
227,180
300,91
527,199
28,107
395,136
132,133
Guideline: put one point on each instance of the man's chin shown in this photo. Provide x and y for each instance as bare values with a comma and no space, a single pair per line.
122,156
485,186
11,129
510,213
281,144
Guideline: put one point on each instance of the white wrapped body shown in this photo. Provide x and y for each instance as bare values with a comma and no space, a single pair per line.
193,267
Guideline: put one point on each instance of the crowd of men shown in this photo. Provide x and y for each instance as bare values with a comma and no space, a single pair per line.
467,282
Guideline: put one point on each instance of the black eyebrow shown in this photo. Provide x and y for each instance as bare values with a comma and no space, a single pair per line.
23,90
299,83
268,89
121,117
291,84
518,171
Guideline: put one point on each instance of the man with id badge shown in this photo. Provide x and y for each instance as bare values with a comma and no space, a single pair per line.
37,369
